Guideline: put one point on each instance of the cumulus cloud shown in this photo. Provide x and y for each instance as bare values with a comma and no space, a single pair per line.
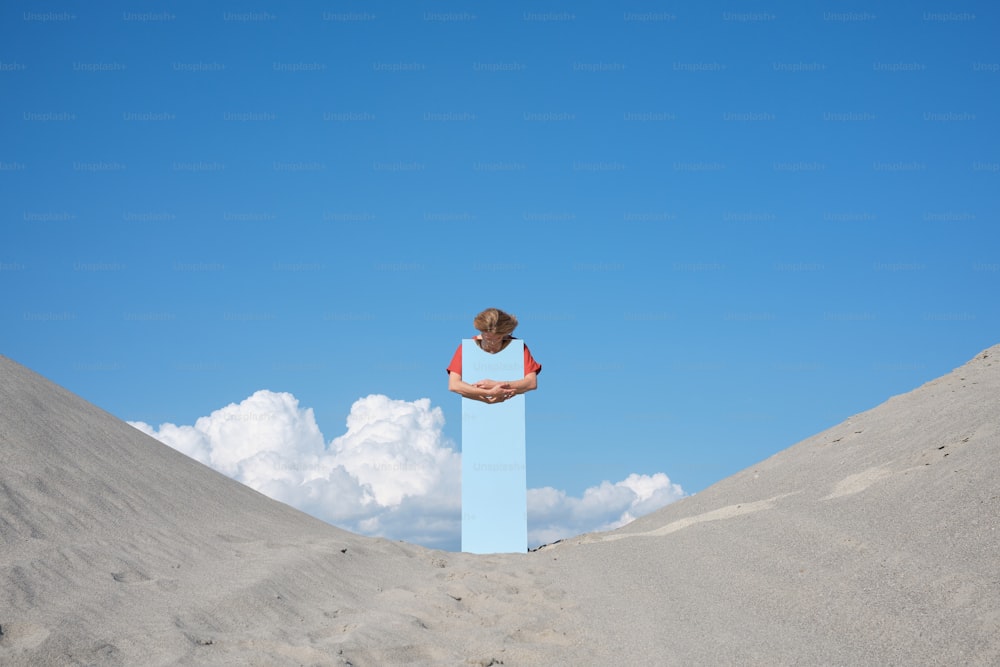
392,473
554,515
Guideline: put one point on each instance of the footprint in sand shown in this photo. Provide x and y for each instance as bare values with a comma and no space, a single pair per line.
129,577
22,636
168,585
17,638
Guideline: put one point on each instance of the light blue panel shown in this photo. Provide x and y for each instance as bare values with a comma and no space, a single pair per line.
494,478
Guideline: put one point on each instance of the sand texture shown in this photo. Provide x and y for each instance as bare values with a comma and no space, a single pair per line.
875,542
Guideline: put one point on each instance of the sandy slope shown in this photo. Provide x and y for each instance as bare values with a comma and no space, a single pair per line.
874,542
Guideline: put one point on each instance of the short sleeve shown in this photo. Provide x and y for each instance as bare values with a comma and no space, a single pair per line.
456,362
530,365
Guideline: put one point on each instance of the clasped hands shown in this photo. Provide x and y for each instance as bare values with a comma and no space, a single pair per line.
497,392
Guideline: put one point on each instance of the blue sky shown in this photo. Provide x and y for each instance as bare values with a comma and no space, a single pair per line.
723,227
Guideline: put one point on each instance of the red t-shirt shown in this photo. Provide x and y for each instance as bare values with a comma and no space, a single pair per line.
530,365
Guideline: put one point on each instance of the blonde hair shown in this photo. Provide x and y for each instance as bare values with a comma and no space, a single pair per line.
494,320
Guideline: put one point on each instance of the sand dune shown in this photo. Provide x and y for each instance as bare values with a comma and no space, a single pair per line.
874,542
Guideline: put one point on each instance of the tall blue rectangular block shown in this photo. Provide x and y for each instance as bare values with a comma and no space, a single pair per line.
494,475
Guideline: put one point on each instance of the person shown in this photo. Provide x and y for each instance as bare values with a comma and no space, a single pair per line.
495,333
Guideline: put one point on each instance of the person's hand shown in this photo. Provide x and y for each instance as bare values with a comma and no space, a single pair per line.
486,392
488,387
497,392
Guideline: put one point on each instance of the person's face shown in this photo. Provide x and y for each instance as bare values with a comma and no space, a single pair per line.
492,342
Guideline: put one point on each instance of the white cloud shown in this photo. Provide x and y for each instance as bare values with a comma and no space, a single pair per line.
392,473
553,515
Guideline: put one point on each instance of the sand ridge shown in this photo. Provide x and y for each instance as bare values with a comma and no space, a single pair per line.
873,542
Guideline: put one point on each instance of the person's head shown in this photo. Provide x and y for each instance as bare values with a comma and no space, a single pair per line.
495,326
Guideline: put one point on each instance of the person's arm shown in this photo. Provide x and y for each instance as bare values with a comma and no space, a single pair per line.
524,385
497,392
510,388
466,390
